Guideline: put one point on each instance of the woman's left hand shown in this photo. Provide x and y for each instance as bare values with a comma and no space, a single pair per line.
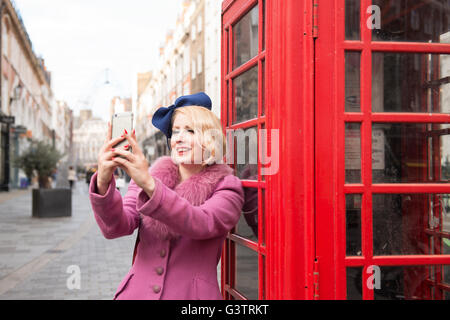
135,164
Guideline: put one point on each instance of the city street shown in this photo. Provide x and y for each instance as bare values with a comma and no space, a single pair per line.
39,255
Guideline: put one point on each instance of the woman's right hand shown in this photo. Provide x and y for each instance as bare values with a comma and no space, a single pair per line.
106,166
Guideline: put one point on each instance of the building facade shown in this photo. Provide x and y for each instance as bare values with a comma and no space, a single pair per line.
87,141
27,100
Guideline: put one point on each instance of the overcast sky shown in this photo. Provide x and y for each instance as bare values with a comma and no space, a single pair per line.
81,39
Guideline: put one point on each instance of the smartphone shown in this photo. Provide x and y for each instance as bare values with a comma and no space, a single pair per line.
120,122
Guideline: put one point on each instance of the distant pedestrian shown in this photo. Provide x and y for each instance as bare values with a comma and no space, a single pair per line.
72,176
89,175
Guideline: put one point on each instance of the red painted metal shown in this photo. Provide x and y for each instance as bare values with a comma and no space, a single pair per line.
285,269
290,247
302,90
330,157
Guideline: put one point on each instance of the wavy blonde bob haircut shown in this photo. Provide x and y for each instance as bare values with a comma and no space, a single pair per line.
208,132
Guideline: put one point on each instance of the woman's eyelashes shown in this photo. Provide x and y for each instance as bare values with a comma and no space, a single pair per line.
178,131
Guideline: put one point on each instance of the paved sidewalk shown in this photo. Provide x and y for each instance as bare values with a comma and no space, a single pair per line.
35,253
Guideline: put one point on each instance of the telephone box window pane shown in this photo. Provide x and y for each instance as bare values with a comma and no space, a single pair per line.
407,283
353,224
263,25
265,158
263,93
352,18
352,81
444,143
247,272
245,35
245,88
354,283
446,250
411,20
401,152
427,88
352,153
263,215
247,226
246,153
402,223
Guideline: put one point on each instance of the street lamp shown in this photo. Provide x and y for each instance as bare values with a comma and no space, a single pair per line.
18,130
16,93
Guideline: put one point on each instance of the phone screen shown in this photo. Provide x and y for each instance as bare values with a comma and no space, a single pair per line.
119,122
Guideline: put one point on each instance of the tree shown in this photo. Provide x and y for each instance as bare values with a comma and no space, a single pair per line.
39,159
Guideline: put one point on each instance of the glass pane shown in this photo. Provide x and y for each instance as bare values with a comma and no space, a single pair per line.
245,88
401,152
245,36
246,153
264,25
263,288
354,283
402,223
427,88
263,93
265,158
352,81
247,272
445,207
446,271
444,144
407,282
352,18
352,153
247,226
353,224
412,20
263,215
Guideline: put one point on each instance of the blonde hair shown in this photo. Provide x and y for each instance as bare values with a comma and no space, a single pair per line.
208,132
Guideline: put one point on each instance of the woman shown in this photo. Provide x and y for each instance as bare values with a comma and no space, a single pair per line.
183,207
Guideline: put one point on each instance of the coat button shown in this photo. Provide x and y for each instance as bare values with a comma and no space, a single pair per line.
159,271
162,253
156,289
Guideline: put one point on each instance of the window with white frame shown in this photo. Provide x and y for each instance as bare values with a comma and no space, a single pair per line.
193,32
199,24
193,70
186,61
199,63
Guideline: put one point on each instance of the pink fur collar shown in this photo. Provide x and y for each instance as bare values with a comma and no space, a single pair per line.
197,189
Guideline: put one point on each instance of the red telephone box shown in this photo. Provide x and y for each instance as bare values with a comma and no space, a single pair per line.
355,98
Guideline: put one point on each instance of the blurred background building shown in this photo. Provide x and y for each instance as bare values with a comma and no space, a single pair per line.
189,62
27,105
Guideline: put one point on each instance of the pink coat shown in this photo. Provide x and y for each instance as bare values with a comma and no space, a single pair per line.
182,228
